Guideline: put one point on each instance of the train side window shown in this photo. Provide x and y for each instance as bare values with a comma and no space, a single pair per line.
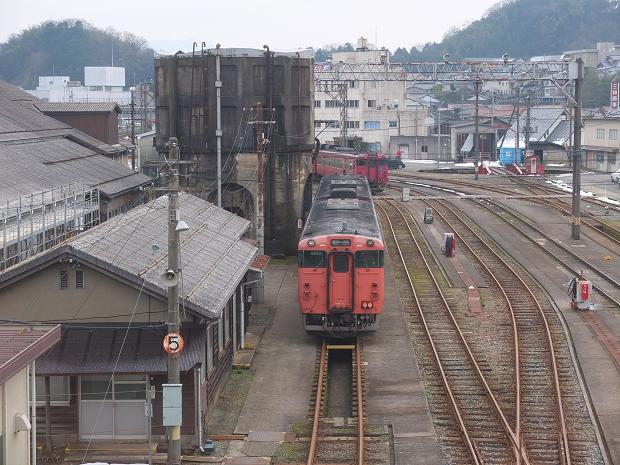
369,259
340,263
311,259
361,162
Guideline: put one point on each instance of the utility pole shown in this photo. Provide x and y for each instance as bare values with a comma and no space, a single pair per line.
132,89
260,198
527,129
439,134
576,220
218,130
173,319
476,135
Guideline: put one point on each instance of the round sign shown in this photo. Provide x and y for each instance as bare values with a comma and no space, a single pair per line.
173,343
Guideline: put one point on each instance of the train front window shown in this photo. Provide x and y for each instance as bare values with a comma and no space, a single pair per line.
383,162
372,162
312,259
361,162
340,263
369,259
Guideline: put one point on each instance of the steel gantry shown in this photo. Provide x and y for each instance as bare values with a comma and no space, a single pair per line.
332,78
337,90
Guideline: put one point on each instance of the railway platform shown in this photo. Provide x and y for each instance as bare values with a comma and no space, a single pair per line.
283,363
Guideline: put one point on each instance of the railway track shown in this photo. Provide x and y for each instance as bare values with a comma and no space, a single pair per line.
357,407
569,259
472,416
550,196
545,376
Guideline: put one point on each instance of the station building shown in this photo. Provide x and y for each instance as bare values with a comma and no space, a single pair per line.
106,287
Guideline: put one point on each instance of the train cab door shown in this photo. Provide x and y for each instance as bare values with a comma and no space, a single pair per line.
373,169
340,282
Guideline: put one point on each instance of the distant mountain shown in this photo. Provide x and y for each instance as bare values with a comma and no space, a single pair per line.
525,28
65,47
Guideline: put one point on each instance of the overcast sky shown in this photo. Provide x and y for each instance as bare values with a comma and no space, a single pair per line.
282,24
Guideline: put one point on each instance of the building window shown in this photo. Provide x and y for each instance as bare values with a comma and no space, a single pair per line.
317,124
79,279
353,124
600,157
317,104
353,103
335,124
60,393
613,134
371,124
331,103
600,133
425,149
372,103
352,84
611,158
64,279
393,124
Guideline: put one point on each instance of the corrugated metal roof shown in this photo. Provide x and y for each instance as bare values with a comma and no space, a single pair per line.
357,213
561,134
77,107
26,344
95,350
38,152
37,165
214,258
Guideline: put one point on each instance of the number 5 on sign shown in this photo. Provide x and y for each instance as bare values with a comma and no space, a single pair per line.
173,343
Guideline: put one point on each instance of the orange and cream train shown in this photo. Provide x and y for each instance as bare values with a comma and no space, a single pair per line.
340,259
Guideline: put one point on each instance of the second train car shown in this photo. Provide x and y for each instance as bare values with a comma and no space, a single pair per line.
340,259
372,166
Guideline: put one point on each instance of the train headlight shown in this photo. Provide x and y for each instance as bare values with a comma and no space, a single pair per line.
369,304
311,243
364,305
370,242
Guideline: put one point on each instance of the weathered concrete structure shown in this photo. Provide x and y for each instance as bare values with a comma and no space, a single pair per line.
186,107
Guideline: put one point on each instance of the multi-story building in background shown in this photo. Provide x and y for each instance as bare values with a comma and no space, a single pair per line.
101,84
601,142
376,110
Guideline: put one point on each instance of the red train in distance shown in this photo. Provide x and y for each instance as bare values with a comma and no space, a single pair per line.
340,259
373,166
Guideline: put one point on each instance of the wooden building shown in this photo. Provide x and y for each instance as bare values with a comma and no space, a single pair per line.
106,286
97,119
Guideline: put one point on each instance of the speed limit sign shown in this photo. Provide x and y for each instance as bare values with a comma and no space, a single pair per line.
173,343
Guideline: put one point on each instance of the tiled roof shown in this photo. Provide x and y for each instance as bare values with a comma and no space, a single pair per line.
96,350
22,345
214,258
77,107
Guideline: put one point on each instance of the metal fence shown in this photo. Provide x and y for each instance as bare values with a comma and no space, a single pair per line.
39,221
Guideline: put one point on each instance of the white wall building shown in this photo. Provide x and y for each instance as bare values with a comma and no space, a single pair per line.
101,84
376,110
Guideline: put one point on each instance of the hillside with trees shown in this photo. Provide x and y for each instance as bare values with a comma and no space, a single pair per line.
65,47
522,28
